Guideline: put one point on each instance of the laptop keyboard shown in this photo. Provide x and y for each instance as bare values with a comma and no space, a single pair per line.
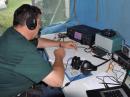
113,93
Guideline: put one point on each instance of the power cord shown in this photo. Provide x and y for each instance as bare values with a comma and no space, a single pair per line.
112,78
103,62
117,78
76,77
103,81
68,62
68,83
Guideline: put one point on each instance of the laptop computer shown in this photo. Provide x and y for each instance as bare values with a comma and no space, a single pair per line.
118,91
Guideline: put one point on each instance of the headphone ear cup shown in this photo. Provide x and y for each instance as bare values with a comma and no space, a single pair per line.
87,66
31,23
76,62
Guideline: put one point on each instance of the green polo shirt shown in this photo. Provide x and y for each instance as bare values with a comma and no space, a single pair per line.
21,65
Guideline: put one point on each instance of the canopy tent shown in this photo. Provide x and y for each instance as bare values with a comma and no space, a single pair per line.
102,14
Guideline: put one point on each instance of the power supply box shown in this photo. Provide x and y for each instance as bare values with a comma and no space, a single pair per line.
83,34
110,44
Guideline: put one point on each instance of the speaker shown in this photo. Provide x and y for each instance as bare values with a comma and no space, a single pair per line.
31,23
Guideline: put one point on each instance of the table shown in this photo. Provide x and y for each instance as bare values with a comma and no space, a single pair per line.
78,87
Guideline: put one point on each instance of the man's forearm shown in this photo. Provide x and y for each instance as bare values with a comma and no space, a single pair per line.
43,43
58,66
56,77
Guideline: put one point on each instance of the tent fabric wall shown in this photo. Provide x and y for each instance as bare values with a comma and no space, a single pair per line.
102,14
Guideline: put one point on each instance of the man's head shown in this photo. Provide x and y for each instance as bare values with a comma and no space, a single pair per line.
27,16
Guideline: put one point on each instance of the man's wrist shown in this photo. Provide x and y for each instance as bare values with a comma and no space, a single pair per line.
60,44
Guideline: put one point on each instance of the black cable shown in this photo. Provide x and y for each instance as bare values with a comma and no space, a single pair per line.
103,62
99,57
114,79
68,83
103,81
117,78
111,78
68,62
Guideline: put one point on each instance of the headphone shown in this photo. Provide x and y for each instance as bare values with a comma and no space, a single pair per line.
27,12
84,65
31,23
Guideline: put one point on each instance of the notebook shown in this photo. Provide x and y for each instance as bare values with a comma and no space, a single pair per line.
117,91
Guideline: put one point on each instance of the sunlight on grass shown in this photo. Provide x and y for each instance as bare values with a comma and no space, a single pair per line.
6,15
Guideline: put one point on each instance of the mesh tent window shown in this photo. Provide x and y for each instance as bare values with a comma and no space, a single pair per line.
54,11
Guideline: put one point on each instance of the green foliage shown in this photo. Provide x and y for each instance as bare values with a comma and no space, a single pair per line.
6,15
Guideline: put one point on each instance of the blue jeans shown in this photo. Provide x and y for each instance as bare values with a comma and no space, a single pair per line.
51,92
43,90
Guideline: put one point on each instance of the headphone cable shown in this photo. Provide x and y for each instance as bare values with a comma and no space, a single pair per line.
68,83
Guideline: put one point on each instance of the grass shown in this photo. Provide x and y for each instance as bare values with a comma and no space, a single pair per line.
6,15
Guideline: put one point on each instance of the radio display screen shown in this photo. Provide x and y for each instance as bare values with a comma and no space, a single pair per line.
78,35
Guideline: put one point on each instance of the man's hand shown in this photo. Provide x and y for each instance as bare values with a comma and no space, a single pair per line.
59,53
69,44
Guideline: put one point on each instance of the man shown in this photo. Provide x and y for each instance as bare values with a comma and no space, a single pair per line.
21,65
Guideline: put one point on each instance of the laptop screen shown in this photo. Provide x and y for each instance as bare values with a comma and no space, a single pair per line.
127,81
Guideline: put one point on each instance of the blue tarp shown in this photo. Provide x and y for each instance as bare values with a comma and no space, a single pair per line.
102,14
